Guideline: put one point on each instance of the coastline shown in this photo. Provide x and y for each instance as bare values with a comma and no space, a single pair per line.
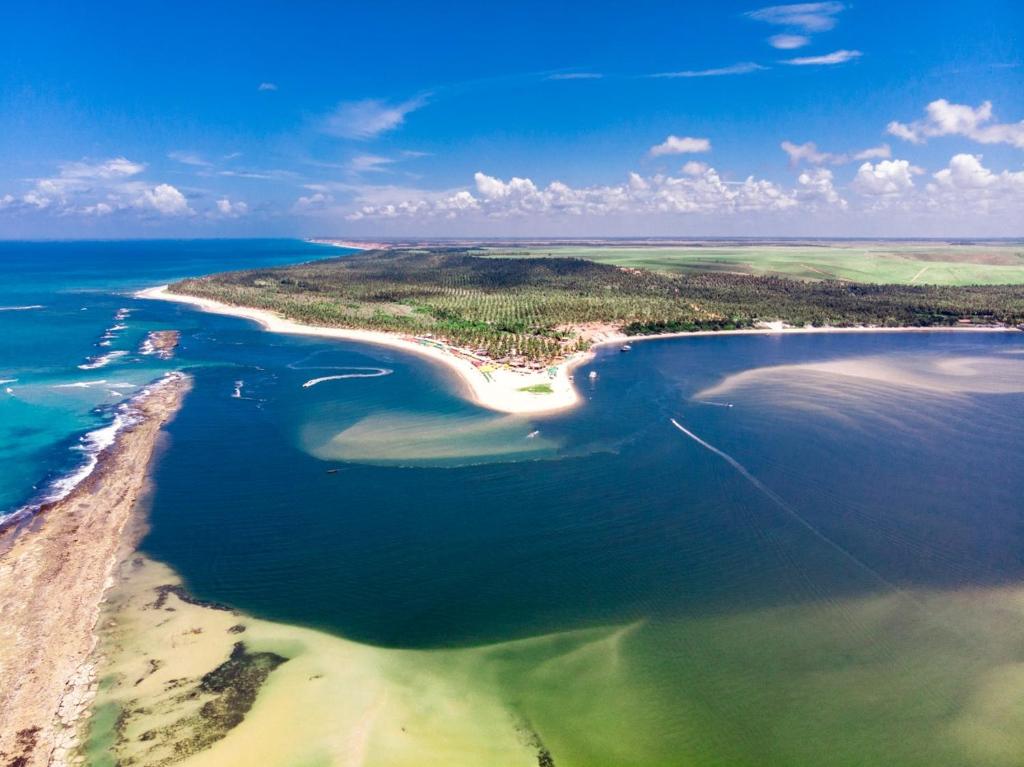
495,389
502,389
54,572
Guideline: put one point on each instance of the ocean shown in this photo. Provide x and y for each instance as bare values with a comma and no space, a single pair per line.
784,549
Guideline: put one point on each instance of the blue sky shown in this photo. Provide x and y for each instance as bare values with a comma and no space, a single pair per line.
527,118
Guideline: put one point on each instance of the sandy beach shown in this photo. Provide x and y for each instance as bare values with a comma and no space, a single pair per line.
499,389
54,571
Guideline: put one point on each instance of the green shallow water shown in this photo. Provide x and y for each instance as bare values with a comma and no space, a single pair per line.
830,575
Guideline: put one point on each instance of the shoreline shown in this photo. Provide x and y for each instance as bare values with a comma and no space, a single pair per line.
501,389
495,389
54,572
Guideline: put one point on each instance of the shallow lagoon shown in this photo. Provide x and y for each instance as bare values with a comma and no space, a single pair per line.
830,575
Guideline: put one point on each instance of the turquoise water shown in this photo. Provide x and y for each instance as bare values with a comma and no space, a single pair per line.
804,550
59,309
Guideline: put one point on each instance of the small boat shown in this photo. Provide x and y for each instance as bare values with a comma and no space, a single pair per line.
533,434
625,348
332,471
593,375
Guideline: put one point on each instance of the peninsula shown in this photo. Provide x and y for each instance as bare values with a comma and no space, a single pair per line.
513,329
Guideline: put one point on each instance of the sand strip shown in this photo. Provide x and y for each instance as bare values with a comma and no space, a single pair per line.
496,389
53,575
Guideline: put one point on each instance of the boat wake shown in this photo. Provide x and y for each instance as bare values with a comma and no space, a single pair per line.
780,502
363,373
26,308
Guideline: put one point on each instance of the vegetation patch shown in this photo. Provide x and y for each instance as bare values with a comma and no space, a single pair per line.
527,312
542,388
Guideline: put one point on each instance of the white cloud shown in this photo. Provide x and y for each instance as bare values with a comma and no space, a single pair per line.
369,163
887,194
227,209
788,42
163,198
965,172
836,57
576,76
702,191
267,87
313,202
810,17
368,118
816,189
968,189
880,152
117,167
189,158
742,68
808,152
681,145
100,188
943,118
888,177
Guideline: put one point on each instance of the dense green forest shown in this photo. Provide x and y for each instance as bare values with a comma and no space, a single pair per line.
526,310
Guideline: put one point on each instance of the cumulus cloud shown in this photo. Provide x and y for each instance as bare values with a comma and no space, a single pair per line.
816,188
163,198
809,17
788,42
961,195
267,87
965,172
681,145
808,152
368,118
227,209
888,177
742,68
836,57
701,191
943,118
99,188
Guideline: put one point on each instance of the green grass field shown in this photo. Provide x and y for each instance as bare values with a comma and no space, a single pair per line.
891,263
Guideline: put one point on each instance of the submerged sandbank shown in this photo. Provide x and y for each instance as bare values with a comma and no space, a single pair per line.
871,677
54,570
496,389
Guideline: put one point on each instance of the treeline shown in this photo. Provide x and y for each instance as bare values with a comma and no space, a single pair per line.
524,310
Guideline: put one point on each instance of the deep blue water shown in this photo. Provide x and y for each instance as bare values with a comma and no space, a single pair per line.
617,516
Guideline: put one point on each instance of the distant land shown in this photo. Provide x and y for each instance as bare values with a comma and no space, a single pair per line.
909,262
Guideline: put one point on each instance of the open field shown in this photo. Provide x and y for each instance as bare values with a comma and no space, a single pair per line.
936,263
530,312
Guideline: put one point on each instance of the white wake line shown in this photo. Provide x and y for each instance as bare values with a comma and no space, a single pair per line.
378,372
779,501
